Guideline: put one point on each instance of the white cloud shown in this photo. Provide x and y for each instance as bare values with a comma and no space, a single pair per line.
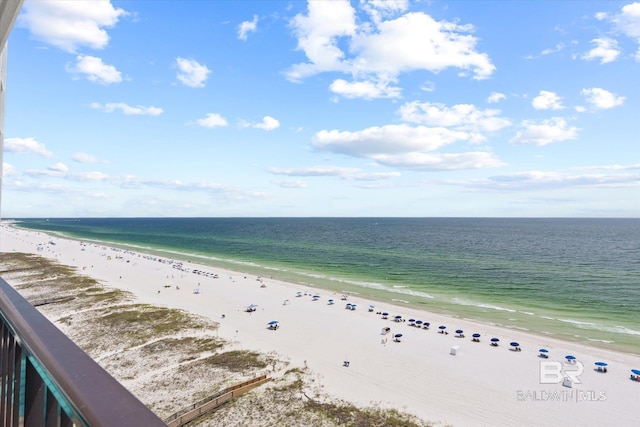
628,20
446,161
127,109
26,146
404,146
191,73
364,89
95,70
380,50
291,183
247,27
546,132
83,158
212,120
495,97
69,25
314,171
268,123
386,139
461,116
601,98
606,50
540,180
547,101
59,167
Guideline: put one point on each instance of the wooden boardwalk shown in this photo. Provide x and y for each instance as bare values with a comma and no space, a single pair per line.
211,403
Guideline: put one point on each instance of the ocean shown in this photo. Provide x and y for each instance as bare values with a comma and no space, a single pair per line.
575,279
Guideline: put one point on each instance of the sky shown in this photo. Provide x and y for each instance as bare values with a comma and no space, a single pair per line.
323,108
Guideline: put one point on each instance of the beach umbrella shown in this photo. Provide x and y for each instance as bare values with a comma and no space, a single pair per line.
515,344
398,317
442,327
398,335
476,335
427,324
273,322
636,371
412,320
459,331
495,339
570,357
418,322
372,306
385,314
601,364
544,350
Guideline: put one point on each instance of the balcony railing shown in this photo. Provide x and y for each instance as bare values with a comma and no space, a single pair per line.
47,380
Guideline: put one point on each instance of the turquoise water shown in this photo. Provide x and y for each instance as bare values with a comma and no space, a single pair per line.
576,279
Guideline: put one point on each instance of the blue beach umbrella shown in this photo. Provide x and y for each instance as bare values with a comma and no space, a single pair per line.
427,324
418,322
495,339
459,331
398,335
570,357
273,322
636,371
544,350
398,317
442,327
515,344
601,364
412,320
476,335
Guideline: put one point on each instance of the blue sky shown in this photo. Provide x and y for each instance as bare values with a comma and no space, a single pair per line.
323,108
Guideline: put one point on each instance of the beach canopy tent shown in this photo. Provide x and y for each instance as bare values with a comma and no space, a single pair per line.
601,366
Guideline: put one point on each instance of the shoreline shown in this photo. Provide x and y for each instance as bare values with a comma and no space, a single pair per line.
546,323
480,385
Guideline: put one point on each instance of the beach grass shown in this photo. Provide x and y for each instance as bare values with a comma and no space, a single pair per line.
169,358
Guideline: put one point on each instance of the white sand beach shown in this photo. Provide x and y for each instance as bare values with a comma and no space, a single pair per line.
480,385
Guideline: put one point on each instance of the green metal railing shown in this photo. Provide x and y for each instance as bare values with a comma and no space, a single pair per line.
48,381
